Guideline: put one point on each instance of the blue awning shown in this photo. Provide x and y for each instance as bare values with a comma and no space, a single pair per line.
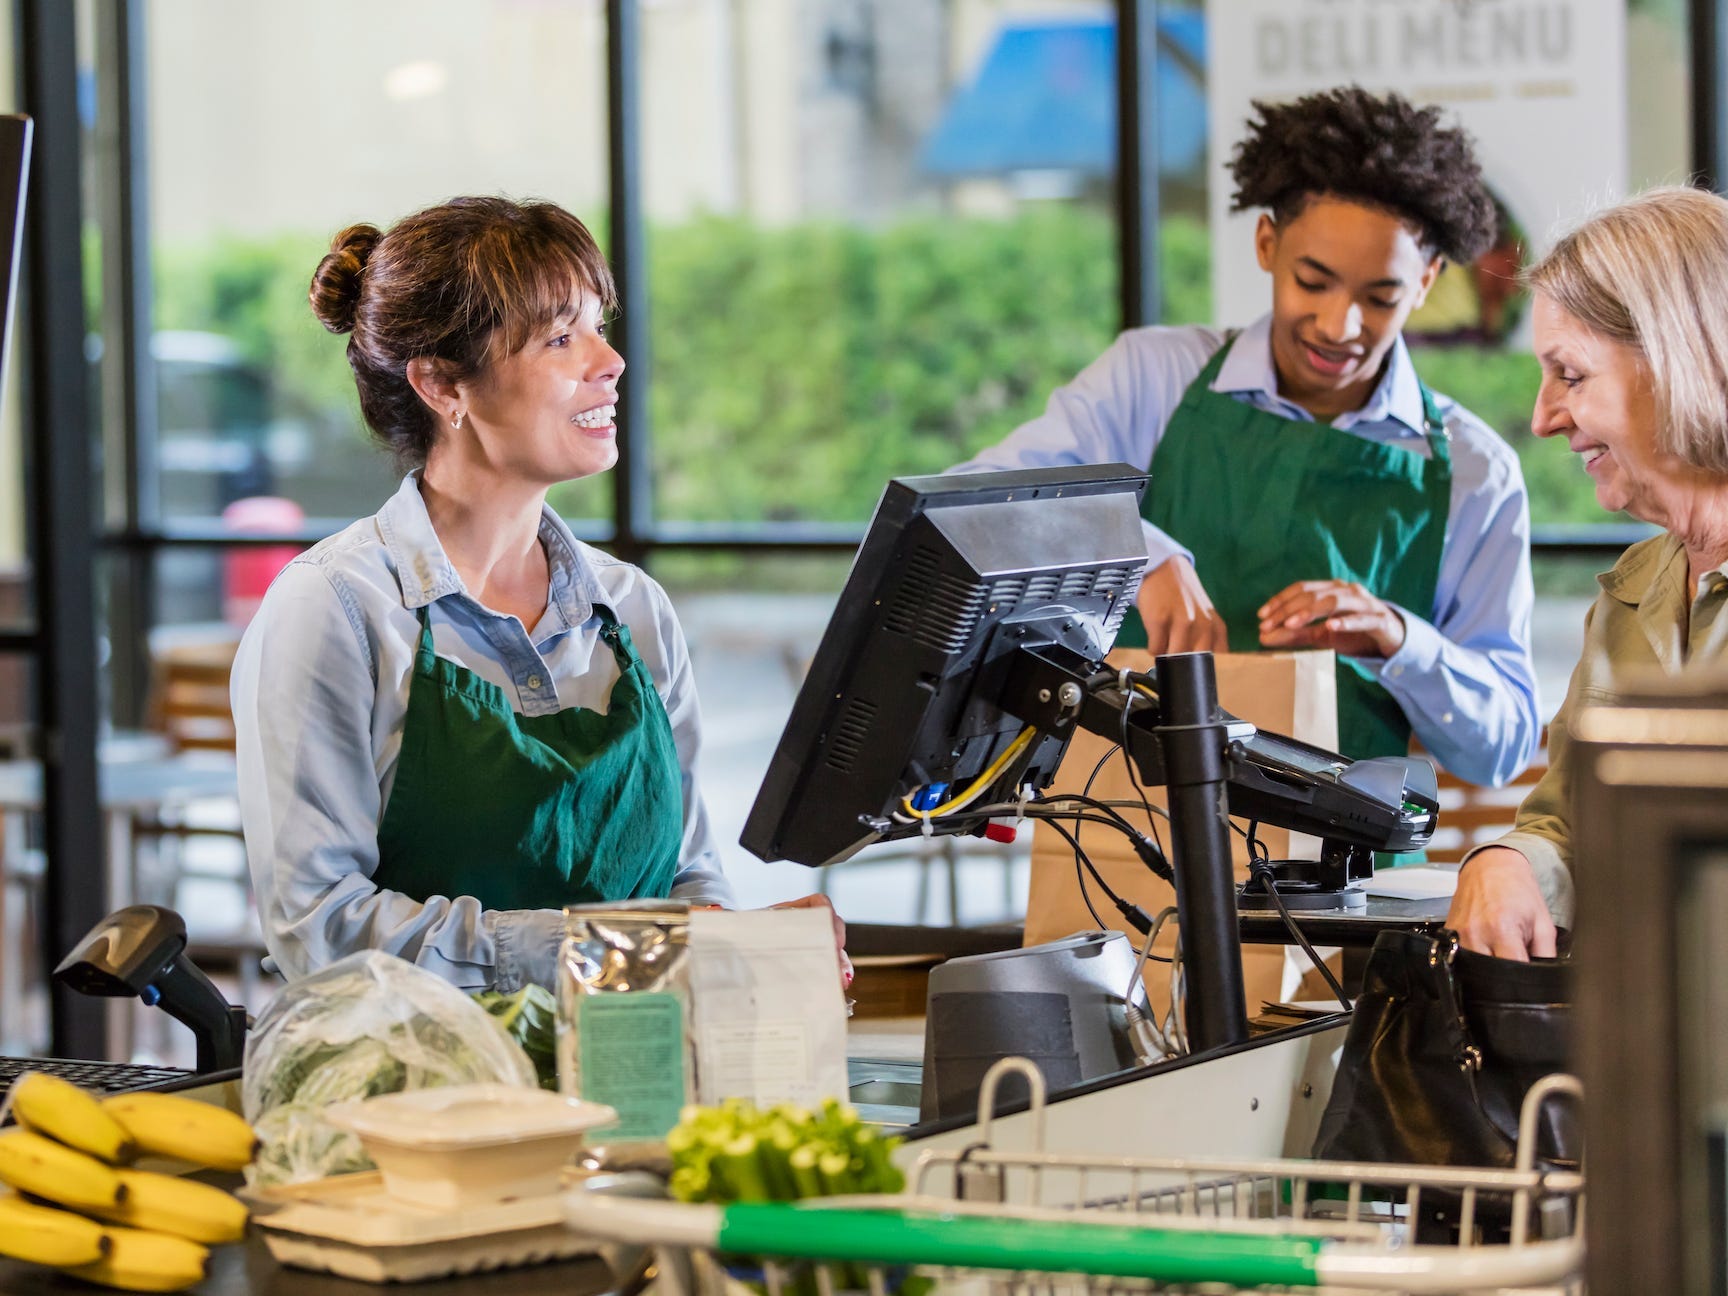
1044,98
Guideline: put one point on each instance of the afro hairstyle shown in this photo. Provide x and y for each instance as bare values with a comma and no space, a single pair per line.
1379,151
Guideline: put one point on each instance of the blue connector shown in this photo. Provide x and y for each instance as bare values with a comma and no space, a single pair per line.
929,797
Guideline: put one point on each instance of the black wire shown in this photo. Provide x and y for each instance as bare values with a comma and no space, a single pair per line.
964,820
1260,869
1096,770
1103,807
1036,811
1161,866
1134,774
1082,858
1085,895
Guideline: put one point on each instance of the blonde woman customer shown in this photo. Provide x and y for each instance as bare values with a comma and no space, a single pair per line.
1631,328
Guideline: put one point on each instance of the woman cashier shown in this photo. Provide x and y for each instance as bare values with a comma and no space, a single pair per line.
1308,491
454,717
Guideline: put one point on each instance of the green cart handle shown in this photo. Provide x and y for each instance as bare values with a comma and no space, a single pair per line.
894,1237
905,1233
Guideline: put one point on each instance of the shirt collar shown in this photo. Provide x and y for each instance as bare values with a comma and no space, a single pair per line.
1641,567
427,574
1248,369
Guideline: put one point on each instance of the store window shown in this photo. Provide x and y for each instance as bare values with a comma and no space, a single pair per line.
1471,341
272,127
880,232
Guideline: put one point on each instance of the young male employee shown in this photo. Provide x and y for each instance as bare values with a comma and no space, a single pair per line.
1308,491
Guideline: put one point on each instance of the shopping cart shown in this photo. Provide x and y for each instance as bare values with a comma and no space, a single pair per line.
982,1219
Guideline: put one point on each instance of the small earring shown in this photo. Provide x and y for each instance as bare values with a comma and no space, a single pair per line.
456,419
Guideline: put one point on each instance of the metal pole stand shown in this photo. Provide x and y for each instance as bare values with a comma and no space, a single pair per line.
1192,740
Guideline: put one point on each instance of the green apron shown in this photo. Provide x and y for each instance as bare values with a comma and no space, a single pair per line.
1264,501
532,812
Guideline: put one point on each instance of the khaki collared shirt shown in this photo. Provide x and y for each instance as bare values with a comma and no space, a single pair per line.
1641,620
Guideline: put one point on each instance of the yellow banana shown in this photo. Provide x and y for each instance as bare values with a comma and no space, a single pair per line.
138,1260
185,1128
183,1207
44,1168
63,1111
44,1235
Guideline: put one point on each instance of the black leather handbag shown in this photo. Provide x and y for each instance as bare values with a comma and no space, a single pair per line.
1442,1047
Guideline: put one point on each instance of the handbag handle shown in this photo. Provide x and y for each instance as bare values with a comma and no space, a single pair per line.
1441,955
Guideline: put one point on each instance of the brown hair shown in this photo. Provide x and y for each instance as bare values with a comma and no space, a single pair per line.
464,283
1650,273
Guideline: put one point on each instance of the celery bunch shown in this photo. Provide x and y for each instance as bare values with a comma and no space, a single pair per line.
738,1153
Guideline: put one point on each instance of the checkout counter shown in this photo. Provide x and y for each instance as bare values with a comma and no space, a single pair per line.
1265,1100
1259,1099
964,654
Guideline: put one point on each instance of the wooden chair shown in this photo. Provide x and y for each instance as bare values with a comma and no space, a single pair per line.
189,706
189,695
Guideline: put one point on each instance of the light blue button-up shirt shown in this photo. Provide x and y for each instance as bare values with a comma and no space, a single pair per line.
320,691
1464,674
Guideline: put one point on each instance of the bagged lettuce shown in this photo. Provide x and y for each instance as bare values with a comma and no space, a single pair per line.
368,1024
530,1016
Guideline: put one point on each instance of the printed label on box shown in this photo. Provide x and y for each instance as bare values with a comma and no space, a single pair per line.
632,1059
762,1061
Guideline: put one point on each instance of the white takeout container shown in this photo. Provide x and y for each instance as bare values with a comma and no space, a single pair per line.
469,1144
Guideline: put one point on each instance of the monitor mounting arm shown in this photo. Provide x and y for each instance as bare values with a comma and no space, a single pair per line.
1216,766
1178,741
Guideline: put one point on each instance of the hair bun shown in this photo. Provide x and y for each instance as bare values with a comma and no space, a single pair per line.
335,291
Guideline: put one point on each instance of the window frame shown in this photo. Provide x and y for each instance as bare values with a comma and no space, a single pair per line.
61,642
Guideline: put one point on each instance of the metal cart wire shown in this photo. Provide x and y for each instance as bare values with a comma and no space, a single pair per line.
984,1220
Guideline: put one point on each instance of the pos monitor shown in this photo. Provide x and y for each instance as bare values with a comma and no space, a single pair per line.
955,575
967,649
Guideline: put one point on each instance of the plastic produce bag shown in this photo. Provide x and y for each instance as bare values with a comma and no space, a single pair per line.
368,1024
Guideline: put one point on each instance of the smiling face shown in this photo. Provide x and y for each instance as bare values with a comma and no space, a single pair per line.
547,412
1344,279
1596,392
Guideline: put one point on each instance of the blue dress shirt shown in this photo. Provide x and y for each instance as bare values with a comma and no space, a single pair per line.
1464,674
320,690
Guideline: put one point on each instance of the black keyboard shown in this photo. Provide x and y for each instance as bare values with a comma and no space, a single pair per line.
103,1077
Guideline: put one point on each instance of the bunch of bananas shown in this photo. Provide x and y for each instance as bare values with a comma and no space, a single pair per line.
74,1207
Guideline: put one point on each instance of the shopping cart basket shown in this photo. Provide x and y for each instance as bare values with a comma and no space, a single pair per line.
1044,1222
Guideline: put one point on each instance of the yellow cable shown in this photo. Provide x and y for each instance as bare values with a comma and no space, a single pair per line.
979,784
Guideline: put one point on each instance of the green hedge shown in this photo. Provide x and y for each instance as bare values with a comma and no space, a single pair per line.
796,368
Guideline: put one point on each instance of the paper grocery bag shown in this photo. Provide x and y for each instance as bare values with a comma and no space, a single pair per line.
1295,694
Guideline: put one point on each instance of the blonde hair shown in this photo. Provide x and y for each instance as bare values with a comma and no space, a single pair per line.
1652,272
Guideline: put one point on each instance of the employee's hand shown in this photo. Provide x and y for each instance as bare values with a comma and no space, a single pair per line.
1498,908
1331,614
1178,612
821,902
